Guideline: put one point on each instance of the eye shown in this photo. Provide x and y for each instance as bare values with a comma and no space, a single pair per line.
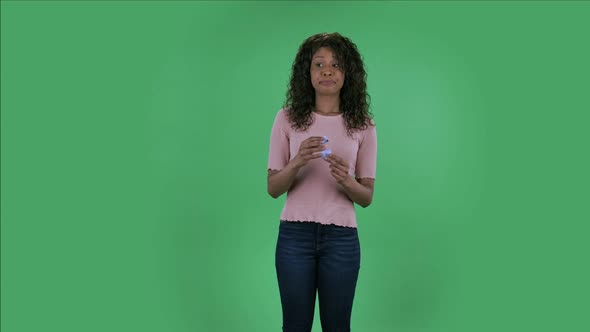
319,64
336,65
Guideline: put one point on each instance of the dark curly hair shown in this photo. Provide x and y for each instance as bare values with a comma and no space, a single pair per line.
354,100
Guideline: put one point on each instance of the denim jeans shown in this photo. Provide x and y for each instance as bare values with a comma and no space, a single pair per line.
313,257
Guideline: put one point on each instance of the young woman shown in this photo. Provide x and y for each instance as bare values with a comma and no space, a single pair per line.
323,153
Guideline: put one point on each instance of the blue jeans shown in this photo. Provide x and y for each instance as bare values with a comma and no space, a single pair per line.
309,257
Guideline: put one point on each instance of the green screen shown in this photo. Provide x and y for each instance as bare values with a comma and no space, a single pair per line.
135,141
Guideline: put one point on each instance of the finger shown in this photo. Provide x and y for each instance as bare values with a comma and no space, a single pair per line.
314,150
313,144
314,139
337,158
338,170
342,164
317,144
315,155
337,176
342,175
331,160
338,161
341,167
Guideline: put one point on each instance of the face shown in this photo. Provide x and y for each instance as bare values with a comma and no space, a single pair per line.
327,76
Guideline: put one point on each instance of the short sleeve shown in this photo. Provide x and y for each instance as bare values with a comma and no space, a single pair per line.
278,155
366,160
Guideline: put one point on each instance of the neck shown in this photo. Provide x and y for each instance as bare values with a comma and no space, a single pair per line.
327,104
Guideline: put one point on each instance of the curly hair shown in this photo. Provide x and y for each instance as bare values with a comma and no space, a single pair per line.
354,99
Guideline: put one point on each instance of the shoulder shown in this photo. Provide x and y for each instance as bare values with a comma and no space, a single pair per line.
282,120
282,114
370,130
371,125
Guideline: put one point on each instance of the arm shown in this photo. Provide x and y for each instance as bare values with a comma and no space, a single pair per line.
280,181
359,191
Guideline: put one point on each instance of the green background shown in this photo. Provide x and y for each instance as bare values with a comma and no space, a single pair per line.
135,141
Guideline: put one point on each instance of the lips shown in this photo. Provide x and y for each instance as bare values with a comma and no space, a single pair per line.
327,82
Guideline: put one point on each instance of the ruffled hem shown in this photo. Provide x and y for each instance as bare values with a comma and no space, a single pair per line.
331,214
318,222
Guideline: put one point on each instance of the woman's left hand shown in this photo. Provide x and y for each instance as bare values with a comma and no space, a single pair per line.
339,168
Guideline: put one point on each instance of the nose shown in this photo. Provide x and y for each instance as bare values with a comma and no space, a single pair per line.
327,72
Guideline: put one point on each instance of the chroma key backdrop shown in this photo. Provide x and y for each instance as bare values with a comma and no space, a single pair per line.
135,139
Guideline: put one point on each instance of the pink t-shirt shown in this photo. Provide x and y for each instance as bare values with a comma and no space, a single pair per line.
315,195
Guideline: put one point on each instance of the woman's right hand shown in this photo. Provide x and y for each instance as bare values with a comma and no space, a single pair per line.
309,149
279,182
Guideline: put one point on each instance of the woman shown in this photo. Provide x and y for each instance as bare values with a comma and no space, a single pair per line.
323,152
